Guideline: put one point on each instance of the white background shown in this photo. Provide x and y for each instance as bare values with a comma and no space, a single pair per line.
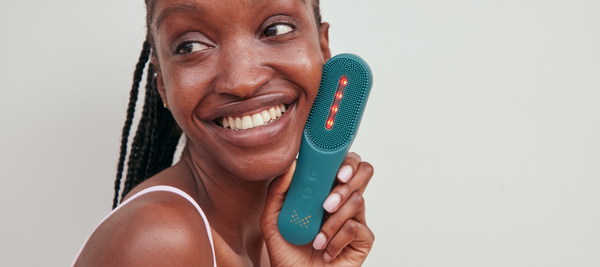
483,126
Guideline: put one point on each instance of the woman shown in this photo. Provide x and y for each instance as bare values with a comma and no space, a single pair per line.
217,67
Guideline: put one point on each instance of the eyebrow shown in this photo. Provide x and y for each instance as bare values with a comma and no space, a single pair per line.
181,8
187,8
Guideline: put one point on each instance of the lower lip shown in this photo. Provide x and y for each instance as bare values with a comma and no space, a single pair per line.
258,136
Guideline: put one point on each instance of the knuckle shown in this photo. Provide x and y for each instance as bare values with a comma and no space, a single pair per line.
370,234
344,190
367,167
350,227
333,248
357,199
331,226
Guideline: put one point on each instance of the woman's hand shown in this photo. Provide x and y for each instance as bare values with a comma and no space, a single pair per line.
344,239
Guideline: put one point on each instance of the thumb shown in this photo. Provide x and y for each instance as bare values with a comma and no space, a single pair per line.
275,198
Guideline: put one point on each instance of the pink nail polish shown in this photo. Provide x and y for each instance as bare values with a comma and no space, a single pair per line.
345,173
319,242
332,202
326,257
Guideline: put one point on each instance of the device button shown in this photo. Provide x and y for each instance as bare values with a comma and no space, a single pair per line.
313,174
307,193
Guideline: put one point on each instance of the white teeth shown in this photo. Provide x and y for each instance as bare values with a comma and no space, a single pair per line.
247,122
238,123
265,116
257,120
225,122
254,120
231,122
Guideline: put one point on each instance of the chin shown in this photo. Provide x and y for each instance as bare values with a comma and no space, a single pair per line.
265,167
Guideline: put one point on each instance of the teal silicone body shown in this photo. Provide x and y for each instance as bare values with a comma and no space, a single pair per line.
323,151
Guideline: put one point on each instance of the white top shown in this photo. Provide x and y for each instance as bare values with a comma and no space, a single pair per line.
154,189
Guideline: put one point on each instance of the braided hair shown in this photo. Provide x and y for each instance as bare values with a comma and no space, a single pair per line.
156,137
157,134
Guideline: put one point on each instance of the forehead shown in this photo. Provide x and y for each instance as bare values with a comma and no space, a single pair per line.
158,10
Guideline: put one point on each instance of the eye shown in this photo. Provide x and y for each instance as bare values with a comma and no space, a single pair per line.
191,47
278,29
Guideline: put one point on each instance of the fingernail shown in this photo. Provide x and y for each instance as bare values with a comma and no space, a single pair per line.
332,202
326,257
319,242
345,173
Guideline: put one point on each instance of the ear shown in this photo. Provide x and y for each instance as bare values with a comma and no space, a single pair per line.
160,86
324,40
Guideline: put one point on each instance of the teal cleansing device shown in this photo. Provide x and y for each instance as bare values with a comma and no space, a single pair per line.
329,131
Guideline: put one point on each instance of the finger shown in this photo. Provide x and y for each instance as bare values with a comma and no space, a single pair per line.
367,170
275,198
330,228
348,167
342,191
353,237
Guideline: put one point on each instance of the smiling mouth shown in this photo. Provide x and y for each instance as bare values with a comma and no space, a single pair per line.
258,119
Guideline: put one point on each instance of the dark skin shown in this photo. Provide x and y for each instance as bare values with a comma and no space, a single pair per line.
234,58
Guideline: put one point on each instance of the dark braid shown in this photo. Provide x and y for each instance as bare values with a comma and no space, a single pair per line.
139,147
317,12
155,139
133,96
153,124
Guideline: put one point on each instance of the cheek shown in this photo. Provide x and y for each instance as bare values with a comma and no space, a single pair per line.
312,70
185,90
301,65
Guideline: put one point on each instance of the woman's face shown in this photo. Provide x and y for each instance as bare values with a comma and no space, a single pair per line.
235,60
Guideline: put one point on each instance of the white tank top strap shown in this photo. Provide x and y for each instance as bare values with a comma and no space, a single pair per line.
167,189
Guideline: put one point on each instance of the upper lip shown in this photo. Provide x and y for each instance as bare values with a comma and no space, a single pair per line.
247,106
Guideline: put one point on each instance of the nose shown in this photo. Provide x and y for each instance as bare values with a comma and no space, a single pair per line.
242,69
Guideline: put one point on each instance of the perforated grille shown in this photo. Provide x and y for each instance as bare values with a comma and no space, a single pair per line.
350,106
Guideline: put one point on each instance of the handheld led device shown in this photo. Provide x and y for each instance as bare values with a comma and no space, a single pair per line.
329,131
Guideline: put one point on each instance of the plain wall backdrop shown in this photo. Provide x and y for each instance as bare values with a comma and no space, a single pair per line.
483,126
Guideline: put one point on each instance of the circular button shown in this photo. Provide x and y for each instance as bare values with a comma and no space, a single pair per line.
313,174
307,193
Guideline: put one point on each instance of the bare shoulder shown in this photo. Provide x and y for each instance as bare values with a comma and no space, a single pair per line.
155,229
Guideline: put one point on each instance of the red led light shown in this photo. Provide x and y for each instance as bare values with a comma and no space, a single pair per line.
336,102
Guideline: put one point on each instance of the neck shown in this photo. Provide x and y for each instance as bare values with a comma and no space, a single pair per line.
233,205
